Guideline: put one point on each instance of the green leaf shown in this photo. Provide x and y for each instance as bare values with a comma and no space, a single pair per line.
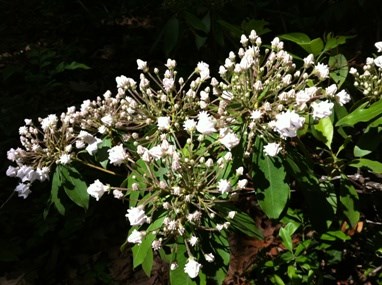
234,30
147,264
141,250
339,69
349,200
323,131
74,186
373,165
272,191
241,221
314,46
362,114
286,234
195,22
359,152
170,34
70,66
277,280
178,276
102,156
334,41
334,235
56,183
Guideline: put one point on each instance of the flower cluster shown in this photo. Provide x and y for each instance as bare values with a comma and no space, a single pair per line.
174,138
370,81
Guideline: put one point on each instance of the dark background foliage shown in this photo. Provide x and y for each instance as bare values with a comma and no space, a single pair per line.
56,53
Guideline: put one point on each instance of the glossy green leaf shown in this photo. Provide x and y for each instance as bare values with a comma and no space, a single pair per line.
339,68
178,276
323,131
147,264
314,46
349,201
56,183
286,234
141,250
334,235
362,114
272,191
74,186
373,165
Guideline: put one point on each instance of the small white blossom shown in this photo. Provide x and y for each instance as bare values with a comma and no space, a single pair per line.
136,216
164,123
322,109
206,124
228,138
378,61
97,189
224,186
142,65
308,61
240,171
156,244
118,155
11,171
117,194
242,183
209,257
173,265
256,115
343,97
136,237
203,70
64,159
287,123
168,84
170,63
272,149
193,240
107,120
189,125
321,70
93,146
192,268
23,190
378,45
231,214
331,90
49,122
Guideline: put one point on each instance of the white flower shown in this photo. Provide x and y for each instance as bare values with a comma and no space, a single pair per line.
331,90
136,237
117,155
125,83
378,61
231,214
287,123
43,173
156,152
206,124
343,97
240,171
136,216
228,138
12,154
23,190
256,115
209,257
164,123
219,227
156,244
97,189
189,125
242,183
322,109
203,70
142,65
224,186
303,96
26,173
107,120
64,159
170,63
193,240
308,61
272,149
168,84
321,70
49,122
247,60
11,171
93,146
378,45
192,268
173,265
117,194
